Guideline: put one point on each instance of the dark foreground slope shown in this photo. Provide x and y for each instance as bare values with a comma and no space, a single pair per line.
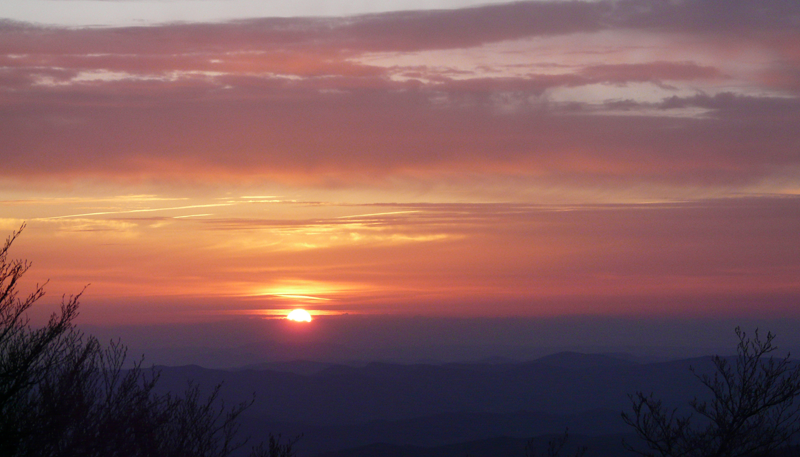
502,446
447,428
427,405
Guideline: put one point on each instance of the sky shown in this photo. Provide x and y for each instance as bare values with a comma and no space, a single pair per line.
194,160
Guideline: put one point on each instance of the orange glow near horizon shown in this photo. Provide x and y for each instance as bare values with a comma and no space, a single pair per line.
402,164
460,260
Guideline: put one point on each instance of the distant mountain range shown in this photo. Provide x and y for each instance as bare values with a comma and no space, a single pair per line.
412,410
261,354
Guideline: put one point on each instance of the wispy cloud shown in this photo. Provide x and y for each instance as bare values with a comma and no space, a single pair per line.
490,258
132,211
594,154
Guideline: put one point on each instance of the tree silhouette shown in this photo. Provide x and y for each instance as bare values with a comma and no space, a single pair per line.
63,394
752,409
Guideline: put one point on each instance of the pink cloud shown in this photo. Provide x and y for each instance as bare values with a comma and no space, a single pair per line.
655,71
289,100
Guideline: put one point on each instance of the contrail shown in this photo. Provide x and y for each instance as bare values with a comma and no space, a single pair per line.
136,211
376,214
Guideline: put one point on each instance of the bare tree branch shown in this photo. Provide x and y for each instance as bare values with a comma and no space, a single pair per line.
751,412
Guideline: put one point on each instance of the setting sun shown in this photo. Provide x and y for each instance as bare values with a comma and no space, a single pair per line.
299,315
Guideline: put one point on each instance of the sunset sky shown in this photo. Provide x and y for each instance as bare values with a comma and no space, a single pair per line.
195,159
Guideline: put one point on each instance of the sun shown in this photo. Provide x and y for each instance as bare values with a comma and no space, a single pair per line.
299,315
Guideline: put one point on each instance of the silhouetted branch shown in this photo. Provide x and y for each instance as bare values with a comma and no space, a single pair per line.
752,410
63,394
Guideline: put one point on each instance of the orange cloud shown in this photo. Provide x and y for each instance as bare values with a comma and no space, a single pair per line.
468,259
504,106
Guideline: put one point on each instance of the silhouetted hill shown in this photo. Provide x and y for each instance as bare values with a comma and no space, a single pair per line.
496,360
576,360
503,446
450,428
431,405
305,367
381,391
492,447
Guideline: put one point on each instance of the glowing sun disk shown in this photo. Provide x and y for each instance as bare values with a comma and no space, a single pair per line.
299,315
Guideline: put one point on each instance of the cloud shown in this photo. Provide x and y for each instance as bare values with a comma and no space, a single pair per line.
728,17
489,113
655,71
305,102
293,134
691,258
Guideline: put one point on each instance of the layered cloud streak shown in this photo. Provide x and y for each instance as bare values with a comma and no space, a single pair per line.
689,93
538,158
